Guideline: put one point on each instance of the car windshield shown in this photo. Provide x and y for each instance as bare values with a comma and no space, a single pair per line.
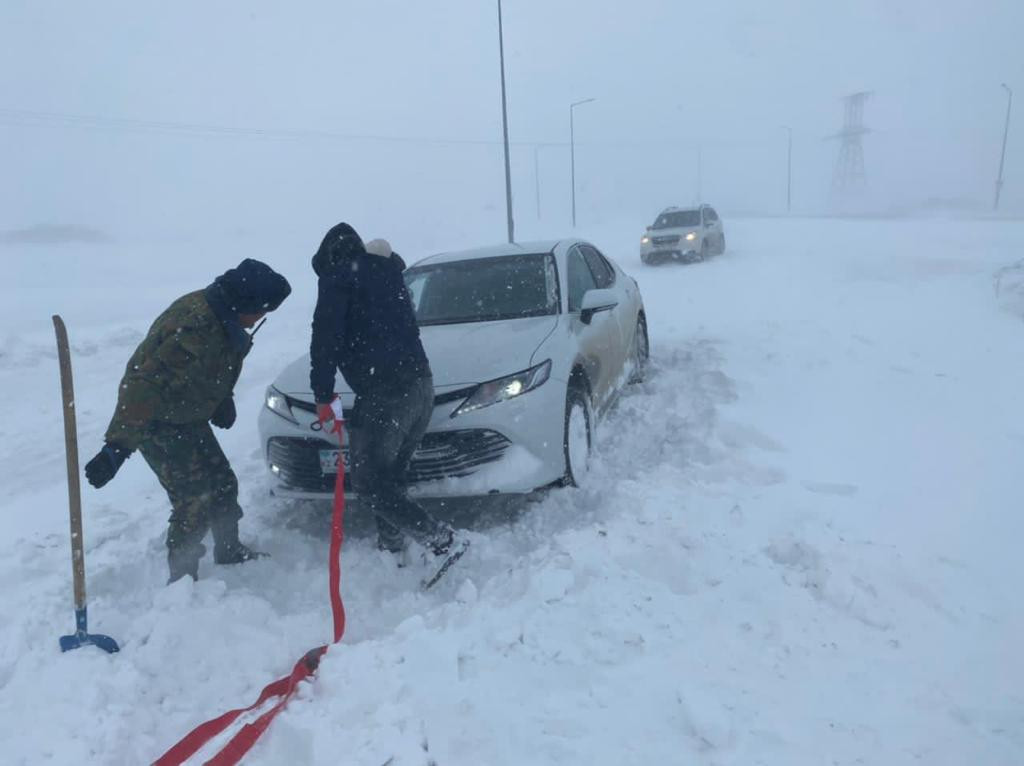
677,219
484,289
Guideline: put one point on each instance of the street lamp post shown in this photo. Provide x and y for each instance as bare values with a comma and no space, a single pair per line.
1002,155
504,126
572,153
700,174
536,174
789,169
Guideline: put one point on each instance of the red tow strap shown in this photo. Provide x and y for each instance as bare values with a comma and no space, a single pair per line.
285,687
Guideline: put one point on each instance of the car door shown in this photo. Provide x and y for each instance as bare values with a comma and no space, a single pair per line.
607,278
712,228
599,341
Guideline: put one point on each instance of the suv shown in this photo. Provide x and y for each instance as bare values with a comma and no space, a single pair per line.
687,233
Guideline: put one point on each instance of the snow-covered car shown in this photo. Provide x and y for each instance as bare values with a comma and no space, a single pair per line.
691,234
528,343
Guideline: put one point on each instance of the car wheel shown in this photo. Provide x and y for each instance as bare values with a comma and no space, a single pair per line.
577,435
703,251
641,351
721,245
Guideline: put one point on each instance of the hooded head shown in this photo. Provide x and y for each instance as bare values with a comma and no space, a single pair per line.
340,242
252,287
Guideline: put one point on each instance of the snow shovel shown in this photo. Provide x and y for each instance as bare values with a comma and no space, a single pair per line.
81,636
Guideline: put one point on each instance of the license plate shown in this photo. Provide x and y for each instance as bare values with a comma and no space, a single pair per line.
329,460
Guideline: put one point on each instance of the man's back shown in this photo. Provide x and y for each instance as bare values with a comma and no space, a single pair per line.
370,324
179,373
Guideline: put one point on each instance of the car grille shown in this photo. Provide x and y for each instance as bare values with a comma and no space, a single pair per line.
450,454
441,455
305,406
297,460
671,240
439,399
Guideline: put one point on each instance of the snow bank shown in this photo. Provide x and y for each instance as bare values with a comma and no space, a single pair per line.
798,544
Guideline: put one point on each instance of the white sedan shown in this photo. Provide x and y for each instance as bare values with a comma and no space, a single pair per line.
529,344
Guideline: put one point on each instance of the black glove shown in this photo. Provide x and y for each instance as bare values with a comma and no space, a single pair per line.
102,468
224,415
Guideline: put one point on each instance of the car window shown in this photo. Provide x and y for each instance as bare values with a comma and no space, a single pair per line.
604,274
414,283
580,280
677,219
484,289
710,214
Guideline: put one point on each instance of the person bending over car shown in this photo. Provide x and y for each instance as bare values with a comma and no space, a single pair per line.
364,326
181,379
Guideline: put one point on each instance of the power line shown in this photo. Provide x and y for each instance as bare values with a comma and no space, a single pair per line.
31,118
25,118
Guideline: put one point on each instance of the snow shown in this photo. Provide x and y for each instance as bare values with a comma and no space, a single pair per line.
799,543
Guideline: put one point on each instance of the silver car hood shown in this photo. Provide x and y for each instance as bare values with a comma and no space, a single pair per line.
459,354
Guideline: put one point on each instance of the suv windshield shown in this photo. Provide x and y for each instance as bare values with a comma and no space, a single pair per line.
484,289
677,219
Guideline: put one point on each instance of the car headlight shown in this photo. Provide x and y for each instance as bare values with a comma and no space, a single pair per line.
506,388
278,404
691,236
644,239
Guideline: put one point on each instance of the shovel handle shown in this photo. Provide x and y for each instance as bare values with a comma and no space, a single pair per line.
67,387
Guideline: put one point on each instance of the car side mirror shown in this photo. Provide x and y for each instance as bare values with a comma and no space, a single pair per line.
595,301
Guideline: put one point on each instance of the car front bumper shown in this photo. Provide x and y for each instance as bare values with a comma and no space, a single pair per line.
682,250
513,447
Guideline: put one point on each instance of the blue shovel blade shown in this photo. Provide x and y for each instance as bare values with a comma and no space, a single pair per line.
106,643
82,637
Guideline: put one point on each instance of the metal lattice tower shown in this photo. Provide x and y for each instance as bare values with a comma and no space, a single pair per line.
848,177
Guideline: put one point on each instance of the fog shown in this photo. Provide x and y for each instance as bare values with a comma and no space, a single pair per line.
191,119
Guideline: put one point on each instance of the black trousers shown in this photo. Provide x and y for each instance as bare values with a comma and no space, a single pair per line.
385,428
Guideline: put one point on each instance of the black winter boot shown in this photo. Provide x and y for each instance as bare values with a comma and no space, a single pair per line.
442,541
227,548
184,549
390,538
184,560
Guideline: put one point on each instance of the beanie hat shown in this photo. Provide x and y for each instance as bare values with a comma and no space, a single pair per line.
379,247
252,287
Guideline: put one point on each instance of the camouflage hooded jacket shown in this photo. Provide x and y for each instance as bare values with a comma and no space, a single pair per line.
184,368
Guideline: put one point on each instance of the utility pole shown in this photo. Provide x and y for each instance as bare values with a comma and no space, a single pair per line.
572,153
789,169
536,174
504,126
848,176
700,172
1002,155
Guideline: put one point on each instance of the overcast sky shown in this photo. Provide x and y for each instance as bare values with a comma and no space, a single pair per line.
668,77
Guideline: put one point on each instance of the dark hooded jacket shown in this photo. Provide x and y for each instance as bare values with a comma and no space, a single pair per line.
364,324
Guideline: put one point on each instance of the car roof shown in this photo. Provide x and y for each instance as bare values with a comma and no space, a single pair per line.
493,251
692,209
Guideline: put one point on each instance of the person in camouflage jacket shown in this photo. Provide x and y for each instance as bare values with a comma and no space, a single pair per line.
181,379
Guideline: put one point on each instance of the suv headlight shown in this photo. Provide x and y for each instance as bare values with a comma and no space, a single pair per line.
278,404
506,388
690,236
644,239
